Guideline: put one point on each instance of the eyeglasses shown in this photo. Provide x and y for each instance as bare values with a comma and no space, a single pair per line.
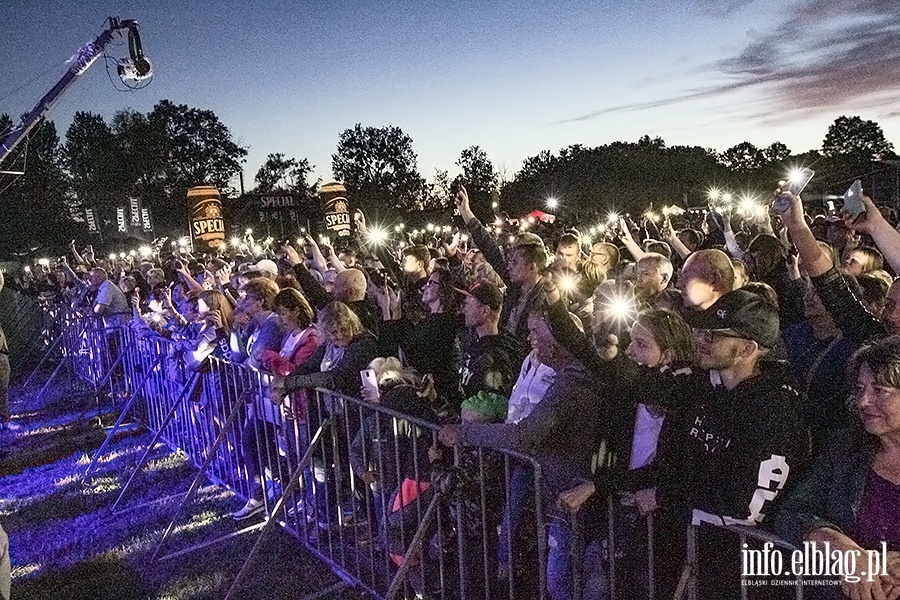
431,282
709,335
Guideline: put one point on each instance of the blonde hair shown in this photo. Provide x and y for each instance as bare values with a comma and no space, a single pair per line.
389,369
336,317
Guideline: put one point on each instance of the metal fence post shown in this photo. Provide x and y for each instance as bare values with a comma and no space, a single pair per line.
187,389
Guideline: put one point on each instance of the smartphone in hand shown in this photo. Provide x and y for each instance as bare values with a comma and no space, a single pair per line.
795,184
799,180
370,381
853,206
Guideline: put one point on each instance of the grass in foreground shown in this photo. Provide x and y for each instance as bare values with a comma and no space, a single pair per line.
66,544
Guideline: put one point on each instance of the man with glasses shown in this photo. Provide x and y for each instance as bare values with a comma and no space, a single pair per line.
741,431
605,256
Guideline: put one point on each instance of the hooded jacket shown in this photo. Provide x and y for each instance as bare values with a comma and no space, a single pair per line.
491,364
831,492
739,448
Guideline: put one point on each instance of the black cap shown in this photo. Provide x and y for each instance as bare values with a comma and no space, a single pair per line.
743,312
486,293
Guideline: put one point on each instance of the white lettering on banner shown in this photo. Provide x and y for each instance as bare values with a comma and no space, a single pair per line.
135,205
120,220
209,226
336,220
277,202
91,219
145,219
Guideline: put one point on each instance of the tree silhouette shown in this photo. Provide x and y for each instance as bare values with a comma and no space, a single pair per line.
851,136
93,160
36,205
480,179
743,158
378,167
279,173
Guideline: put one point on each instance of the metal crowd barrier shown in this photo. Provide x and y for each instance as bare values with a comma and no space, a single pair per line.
93,349
411,534
743,537
422,525
417,527
30,325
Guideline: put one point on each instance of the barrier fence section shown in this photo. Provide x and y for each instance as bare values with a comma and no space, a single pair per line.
367,489
30,325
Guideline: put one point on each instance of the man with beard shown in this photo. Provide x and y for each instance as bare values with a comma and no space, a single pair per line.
741,435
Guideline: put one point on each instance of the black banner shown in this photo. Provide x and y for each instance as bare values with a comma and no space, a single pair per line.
90,217
121,221
279,202
134,212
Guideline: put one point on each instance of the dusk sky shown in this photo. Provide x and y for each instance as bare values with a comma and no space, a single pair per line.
515,78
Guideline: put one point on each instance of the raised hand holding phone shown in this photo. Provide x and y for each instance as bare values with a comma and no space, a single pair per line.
853,208
795,184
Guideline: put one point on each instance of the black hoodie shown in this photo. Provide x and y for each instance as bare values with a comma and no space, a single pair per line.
491,364
738,448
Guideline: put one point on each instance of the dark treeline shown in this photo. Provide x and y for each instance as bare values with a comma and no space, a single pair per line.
157,156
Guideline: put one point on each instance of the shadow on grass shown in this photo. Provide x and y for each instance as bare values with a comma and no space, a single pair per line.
96,494
47,448
66,546
100,578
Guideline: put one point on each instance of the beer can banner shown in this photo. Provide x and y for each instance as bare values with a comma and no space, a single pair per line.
121,221
336,208
146,221
134,212
207,220
90,215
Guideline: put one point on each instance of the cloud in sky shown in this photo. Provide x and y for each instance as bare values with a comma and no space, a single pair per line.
722,8
823,54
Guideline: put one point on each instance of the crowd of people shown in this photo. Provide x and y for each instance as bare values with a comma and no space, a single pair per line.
736,367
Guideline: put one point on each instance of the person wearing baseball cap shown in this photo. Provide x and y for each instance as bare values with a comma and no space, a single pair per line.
739,428
561,432
492,359
267,267
739,314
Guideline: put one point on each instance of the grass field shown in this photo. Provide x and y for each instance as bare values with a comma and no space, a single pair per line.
67,544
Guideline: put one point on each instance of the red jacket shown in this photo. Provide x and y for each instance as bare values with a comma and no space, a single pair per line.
273,361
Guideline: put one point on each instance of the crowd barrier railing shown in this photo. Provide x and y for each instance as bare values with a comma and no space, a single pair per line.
367,489
30,325
742,539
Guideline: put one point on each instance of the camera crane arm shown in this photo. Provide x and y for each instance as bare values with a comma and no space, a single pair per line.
136,67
